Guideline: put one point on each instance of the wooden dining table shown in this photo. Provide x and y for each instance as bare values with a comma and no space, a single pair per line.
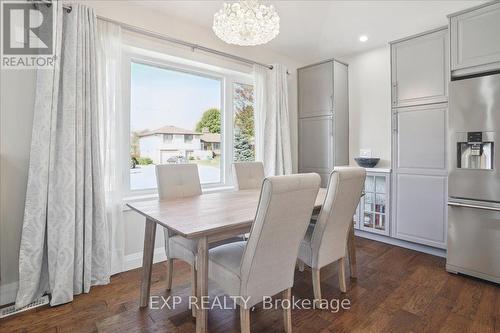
206,218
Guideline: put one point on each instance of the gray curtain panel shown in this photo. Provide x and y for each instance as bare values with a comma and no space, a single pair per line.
272,115
64,245
277,155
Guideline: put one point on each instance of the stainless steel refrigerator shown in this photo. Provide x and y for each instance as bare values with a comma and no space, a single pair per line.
473,246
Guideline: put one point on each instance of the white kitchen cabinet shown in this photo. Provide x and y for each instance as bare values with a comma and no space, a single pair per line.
315,86
420,209
420,174
323,124
420,72
419,69
420,134
373,212
316,146
475,40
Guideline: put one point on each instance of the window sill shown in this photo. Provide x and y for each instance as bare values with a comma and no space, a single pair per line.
154,196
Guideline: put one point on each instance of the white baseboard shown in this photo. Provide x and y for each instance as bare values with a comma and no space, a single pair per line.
134,260
401,243
8,292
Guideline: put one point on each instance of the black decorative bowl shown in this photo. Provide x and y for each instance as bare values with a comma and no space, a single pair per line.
367,162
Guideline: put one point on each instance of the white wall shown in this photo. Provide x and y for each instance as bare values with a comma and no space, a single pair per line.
370,104
17,98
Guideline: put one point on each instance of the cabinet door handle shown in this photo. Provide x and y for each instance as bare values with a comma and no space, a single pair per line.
456,204
395,93
395,122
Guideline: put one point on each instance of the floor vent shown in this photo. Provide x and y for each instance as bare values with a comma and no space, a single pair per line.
12,310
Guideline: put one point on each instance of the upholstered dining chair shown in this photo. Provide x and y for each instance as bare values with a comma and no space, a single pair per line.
264,265
178,181
326,240
248,175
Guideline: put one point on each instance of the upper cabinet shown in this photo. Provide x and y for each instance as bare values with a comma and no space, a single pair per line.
315,84
419,69
475,40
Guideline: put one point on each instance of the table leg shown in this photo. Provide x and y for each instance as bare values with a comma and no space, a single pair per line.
352,253
202,284
147,261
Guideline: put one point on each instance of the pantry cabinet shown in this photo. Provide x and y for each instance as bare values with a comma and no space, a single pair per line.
323,124
419,133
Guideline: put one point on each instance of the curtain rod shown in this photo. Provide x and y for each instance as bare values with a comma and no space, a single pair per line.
48,3
182,42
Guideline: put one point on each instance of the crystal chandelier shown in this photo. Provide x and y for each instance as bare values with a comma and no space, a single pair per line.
246,23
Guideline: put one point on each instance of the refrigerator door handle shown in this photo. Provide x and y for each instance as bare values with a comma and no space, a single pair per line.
456,204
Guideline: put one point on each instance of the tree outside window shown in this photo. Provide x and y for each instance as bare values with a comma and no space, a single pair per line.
244,127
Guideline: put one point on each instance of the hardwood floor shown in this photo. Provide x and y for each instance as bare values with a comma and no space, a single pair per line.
397,290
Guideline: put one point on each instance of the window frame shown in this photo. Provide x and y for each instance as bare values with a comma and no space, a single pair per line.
227,79
170,140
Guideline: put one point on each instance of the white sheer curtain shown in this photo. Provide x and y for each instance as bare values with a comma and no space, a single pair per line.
109,78
64,242
271,105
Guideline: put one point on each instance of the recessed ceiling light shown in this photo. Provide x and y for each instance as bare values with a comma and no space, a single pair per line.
363,38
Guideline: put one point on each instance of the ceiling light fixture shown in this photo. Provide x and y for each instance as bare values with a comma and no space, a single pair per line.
247,22
363,38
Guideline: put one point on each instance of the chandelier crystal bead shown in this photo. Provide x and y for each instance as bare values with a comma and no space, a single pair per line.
246,23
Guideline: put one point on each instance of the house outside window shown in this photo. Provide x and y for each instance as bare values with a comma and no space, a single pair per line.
188,138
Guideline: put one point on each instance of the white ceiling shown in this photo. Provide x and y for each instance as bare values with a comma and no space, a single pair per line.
316,30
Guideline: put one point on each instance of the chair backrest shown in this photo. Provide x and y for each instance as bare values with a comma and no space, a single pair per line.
177,181
248,175
329,238
285,207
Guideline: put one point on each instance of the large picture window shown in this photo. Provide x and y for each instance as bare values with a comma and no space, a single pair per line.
177,115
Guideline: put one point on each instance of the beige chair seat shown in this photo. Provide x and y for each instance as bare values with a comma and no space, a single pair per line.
224,265
184,249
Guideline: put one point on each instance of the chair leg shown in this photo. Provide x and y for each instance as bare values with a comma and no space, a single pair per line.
193,287
352,252
287,313
316,284
245,320
170,272
301,265
342,284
